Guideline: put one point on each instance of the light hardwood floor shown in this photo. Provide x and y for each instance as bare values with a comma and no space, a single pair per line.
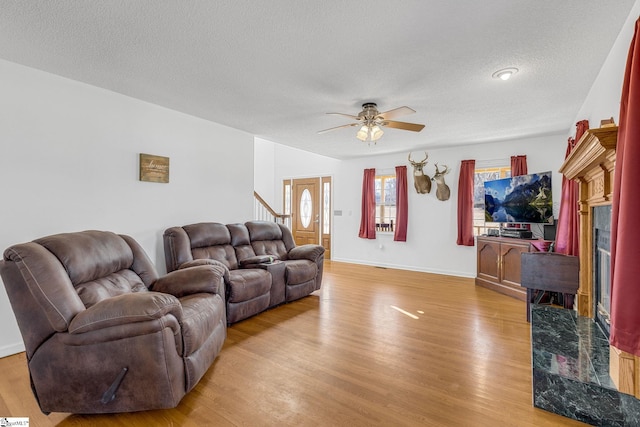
345,357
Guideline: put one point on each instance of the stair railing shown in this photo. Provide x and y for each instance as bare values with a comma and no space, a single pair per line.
263,212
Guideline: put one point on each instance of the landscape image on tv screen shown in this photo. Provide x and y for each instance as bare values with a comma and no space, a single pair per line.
523,199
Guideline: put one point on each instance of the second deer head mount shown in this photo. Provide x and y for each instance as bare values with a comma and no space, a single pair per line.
442,192
422,181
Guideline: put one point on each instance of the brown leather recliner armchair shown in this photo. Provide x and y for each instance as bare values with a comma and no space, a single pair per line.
103,332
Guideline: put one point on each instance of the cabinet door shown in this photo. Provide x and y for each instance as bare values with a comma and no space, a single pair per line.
510,271
488,260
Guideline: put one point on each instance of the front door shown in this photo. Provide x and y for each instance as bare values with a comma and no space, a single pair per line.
305,211
308,201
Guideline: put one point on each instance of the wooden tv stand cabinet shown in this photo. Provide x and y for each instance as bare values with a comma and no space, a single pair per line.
499,264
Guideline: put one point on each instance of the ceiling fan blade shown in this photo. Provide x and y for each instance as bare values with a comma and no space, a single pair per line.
338,127
396,112
414,127
347,115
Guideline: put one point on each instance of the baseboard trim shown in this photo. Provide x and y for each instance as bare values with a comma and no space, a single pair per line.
407,267
11,349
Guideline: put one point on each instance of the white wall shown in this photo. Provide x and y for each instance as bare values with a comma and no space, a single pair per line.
69,162
603,100
276,162
432,228
294,163
264,157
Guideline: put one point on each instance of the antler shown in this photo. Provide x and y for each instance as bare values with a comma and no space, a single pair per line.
444,172
423,161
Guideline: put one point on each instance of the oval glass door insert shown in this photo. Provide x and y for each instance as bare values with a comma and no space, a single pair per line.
306,206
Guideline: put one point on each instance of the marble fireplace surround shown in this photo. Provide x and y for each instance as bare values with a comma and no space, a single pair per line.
591,164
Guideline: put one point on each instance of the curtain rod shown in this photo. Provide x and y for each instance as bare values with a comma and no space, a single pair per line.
487,163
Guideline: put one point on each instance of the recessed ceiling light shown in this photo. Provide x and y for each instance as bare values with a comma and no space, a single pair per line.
504,74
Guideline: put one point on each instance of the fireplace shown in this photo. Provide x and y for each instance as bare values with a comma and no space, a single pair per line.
592,165
602,266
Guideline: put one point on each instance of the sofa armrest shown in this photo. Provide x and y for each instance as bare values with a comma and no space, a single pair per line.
310,252
206,261
192,280
125,309
200,261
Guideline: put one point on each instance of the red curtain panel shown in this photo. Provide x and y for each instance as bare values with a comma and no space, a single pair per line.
625,233
519,165
568,227
465,203
368,214
402,205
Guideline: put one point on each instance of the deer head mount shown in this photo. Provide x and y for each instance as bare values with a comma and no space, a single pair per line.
421,181
442,191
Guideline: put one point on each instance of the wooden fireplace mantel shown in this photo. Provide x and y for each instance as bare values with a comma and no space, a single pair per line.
596,147
592,164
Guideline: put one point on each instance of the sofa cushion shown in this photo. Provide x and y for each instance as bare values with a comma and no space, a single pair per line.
239,234
241,242
249,283
263,230
207,234
300,271
222,253
266,239
212,240
274,248
114,284
89,255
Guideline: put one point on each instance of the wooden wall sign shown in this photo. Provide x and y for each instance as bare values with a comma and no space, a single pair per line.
154,168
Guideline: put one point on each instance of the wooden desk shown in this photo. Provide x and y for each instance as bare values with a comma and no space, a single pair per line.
549,271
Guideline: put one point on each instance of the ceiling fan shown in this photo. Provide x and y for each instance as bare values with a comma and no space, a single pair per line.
371,122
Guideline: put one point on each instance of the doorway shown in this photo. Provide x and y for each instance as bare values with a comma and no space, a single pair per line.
308,201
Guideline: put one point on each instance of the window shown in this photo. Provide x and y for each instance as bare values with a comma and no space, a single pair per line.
326,206
306,208
286,199
482,175
385,202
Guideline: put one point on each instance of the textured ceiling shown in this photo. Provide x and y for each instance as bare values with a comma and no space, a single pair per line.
274,68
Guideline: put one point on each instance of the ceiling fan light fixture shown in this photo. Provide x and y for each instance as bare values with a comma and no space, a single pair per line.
505,73
371,122
363,133
376,133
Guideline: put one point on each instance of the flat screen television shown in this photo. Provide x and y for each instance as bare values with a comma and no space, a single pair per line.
519,199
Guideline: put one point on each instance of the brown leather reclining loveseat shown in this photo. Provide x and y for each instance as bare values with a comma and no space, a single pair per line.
102,331
264,267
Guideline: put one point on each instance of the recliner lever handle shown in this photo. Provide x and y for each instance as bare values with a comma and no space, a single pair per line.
110,394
